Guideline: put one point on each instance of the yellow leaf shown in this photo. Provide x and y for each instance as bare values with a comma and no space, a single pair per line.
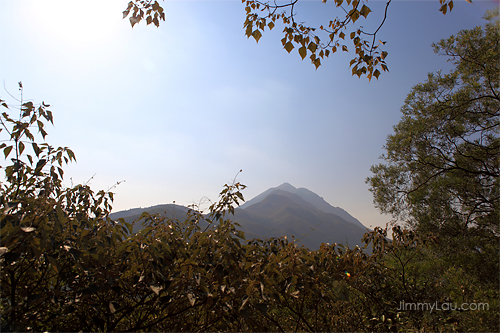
312,46
365,11
303,52
156,289
191,299
134,20
27,229
257,34
443,9
317,62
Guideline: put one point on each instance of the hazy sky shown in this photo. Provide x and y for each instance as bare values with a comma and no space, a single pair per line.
177,111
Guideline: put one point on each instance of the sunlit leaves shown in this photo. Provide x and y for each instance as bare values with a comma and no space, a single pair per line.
142,9
306,39
447,5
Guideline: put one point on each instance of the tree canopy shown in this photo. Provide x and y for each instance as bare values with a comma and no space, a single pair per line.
441,168
442,160
316,43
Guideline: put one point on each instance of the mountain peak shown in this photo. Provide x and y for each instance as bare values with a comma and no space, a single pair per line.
286,187
307,195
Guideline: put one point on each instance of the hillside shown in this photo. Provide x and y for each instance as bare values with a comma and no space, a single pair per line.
281,211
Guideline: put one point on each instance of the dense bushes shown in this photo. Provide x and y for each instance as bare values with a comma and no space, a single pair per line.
66,266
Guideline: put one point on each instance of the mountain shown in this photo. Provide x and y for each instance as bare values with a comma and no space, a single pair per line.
280,211
308,196
171,211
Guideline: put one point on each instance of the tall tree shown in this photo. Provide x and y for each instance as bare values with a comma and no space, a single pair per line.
442,163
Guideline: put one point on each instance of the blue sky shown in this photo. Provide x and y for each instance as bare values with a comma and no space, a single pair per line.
177,111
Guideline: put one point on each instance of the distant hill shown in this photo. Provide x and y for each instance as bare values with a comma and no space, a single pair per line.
169,210
309,197
281,211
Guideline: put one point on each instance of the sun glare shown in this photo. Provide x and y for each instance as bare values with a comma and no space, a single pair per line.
76,23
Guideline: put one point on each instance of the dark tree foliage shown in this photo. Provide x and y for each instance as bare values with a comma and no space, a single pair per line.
66,266
441,168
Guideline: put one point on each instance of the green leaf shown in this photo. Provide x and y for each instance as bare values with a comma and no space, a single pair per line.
39,166
36,149
54,263
71,155
303,52
7,151
21,147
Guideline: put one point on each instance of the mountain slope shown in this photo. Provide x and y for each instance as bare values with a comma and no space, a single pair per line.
308,196
289,215
281,211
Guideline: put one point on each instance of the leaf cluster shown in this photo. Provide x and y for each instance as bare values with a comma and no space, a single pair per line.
316,43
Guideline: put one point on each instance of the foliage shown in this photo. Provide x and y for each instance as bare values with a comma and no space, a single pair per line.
442,160
442,163
66,266
318,43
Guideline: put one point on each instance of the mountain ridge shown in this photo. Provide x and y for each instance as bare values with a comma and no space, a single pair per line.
307,195
276,212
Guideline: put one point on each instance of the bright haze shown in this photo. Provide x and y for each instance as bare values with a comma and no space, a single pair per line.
177,111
